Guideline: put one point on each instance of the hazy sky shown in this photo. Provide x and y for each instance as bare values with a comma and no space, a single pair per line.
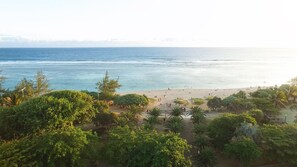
261,23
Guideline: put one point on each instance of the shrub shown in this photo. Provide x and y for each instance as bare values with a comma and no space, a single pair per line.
63,147
214,103
245,150
257,114
181,101
139,147
222,129
197,101
131,100
279,142
175,124
52,111
206,158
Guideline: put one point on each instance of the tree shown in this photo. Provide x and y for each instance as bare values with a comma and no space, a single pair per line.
139,147
131,100
206,157
175,124
107,88
214,103
177,112
244,149
155,112
62,147
221,129
41,84
24,90
234,103
52,111
279,142
257,114
197,115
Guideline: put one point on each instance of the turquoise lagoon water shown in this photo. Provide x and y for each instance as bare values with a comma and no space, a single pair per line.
150,68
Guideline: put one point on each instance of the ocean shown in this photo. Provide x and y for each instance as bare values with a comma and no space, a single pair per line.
150,68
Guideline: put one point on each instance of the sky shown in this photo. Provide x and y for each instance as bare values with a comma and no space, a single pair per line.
198,23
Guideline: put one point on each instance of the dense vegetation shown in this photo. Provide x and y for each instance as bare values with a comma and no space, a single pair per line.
40,127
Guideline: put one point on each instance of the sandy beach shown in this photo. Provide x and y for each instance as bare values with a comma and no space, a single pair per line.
165,98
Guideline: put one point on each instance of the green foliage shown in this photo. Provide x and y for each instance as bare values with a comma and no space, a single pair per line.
181,101
41,85
176,112
25,90
201,141
106,119
247,130
241,94
63,147
131,100
257,114
235,103
200,129
245,150
150,122
275,96
107,88
155,112
129,118
206,158
141,148
197,101
265,105
279,142
197,115
100,106
222,129
52,111
214,103
175,124
94,95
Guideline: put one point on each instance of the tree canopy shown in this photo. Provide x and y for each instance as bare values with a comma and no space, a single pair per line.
131,100
141,148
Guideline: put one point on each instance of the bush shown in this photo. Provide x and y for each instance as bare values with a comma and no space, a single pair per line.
64,147
127,147
257,114
222,129
234,103
181,101
214,103
197,101
245,150
206,158
279,143
175,124
155,112
131,100
106,119
52,111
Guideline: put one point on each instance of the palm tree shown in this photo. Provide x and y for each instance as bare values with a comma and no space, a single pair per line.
198,116
177,112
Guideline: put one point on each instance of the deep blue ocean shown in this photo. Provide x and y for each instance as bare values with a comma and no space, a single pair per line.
150,68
